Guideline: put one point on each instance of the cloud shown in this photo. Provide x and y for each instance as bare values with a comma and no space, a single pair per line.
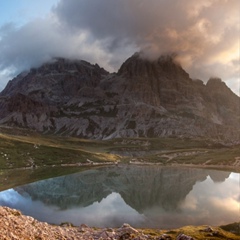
205,34
42,39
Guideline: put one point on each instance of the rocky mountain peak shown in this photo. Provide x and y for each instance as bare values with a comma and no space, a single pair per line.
159,82
60,65
139,65
221,93
146,98
56,79
217,85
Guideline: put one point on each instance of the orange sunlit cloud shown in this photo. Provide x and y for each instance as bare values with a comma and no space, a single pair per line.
204,34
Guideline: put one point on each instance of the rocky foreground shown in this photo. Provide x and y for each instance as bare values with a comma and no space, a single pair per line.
14,225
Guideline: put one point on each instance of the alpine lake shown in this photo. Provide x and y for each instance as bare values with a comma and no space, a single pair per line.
149,196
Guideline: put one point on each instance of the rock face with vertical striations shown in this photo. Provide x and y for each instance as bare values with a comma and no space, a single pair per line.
143,99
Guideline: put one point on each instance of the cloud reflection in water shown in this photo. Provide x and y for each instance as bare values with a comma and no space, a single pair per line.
154,197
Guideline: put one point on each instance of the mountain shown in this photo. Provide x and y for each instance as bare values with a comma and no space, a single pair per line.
143,99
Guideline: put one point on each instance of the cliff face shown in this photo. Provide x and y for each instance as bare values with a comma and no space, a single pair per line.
162,82
144,98
56,82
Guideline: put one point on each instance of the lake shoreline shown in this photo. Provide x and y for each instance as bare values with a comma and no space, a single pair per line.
234,168
13,173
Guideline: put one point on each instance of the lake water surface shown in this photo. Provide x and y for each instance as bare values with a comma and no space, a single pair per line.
143,196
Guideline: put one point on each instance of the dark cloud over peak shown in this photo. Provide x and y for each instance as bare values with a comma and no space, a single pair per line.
205,34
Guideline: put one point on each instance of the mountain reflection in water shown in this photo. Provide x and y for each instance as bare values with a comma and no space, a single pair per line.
149,196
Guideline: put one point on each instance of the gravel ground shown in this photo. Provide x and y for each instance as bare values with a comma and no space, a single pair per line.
14,225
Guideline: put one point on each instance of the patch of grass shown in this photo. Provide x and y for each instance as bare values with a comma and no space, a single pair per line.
27,151
196,232
233,228
152,232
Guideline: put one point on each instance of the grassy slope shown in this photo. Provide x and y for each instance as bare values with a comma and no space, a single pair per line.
199,232
181,151
28,156
24,151
25,158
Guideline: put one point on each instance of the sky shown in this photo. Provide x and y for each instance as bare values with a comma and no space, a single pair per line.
203,34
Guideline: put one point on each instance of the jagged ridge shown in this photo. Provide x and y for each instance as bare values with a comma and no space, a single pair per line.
144,98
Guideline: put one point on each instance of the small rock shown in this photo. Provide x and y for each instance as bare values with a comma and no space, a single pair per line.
83,228
126,228
66,224
110,230
125,225
214,234
165,237
124,236
208,229
103,235
184,237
